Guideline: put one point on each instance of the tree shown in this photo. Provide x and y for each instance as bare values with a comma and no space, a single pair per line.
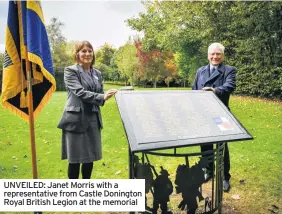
172,27
106,71
70,45
257,54
155,65
115,75
55,34
126,61
58,45
171,69
105,54
250,31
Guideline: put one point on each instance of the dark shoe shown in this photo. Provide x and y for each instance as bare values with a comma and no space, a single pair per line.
208,176
226,186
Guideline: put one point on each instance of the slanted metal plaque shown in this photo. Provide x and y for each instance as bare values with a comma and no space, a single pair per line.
156,120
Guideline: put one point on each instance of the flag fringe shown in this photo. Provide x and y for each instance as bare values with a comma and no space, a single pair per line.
25,116
8,94
16,111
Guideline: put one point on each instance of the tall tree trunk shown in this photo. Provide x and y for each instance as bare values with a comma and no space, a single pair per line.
132,80
155,84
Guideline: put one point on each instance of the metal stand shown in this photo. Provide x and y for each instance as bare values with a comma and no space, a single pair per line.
193,184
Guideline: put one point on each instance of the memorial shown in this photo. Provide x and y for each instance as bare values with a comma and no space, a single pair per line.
157,120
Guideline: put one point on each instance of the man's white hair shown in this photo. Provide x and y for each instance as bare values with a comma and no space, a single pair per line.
216,45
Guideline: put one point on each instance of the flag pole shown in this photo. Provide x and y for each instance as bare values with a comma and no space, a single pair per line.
31,118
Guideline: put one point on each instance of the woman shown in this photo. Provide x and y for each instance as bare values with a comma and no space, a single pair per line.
81,122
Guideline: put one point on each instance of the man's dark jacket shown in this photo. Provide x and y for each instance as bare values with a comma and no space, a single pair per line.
223,81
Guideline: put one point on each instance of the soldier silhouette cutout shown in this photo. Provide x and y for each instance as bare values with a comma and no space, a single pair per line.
189,181
162,190
143,171
207,205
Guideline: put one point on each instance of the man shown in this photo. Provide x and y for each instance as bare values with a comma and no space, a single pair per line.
221,80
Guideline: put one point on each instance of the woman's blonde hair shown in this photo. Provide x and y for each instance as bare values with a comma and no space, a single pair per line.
79,46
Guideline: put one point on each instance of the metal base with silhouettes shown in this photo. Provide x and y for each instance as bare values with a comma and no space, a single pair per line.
188,182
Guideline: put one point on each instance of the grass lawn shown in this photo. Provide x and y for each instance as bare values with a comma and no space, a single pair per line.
257,163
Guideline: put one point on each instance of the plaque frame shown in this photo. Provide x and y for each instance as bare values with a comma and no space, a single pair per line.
151,148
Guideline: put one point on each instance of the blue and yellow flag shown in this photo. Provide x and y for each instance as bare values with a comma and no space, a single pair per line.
26,38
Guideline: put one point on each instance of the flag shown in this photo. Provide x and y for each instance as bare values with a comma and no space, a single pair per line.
223,124
26,38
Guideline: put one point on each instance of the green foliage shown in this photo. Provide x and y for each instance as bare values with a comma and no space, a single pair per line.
59,77
186,70
60,57
107,72
250,31
106,63
70,45
257,51
126,61
105,54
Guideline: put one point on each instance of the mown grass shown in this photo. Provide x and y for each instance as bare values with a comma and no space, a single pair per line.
257,163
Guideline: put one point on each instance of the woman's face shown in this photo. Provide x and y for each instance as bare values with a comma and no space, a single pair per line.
85,56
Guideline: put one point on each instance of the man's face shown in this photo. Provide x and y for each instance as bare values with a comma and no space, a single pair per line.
215,56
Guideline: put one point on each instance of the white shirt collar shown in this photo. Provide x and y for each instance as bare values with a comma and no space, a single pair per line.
212,66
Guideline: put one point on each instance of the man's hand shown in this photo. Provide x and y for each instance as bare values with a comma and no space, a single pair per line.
208,89
109,94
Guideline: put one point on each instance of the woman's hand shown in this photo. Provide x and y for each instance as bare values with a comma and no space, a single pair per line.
109,93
